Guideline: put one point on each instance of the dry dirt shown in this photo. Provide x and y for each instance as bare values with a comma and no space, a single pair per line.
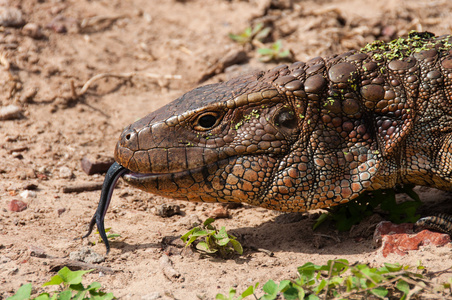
43,66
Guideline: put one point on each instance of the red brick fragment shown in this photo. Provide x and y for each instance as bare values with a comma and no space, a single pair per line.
17,205
400,239
96,165
219,212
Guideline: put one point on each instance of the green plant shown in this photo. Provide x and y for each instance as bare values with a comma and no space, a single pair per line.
213,240
71,288
111,236
353,212
250,34
340,280
275,52
232,292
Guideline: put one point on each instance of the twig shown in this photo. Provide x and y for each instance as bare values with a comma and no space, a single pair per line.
167,268
337,239
58,263
98,19
73,91
83,187
126,76
268,252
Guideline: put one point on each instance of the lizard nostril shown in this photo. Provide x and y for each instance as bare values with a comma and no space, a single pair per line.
128,136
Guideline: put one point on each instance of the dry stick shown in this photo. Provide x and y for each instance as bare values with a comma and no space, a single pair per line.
83,187
125,76
81,265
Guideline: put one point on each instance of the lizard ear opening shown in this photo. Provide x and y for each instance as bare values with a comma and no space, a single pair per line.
286,118
286,121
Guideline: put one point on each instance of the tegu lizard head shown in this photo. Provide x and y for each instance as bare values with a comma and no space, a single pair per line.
278,139
219,142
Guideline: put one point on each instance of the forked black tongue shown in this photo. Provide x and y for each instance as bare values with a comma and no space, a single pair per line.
112,176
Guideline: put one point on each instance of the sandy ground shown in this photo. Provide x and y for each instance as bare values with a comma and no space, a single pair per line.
43,66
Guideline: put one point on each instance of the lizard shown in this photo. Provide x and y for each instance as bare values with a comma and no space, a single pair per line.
302,136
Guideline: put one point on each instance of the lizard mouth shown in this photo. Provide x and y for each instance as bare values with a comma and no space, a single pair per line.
143,180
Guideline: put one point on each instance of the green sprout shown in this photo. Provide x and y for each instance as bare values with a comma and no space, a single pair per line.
71,286
250,34
275,52
212,240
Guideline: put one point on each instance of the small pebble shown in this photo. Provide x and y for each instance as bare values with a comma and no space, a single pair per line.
66,173
27,194
219,213
28,95
4,259
17,205
86,255
11,17
33,30
61,211
10,112
167,210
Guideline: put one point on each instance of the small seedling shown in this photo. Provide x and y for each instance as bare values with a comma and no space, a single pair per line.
250,34
346,215
275,52
71,288
213,240
110,236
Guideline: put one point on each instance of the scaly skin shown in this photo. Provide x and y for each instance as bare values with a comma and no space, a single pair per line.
304,136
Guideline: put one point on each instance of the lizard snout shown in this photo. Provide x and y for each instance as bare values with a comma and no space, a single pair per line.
126,146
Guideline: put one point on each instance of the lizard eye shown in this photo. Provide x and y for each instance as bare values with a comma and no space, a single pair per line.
206,121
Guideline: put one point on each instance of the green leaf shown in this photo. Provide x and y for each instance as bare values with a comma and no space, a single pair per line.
321,286
292,294
204,247
222,234
104,296
77,287
250,290
191,240
284,285
380,292
270,287
113,235
260,36
320,220
237,246
80,295
284,54
393,267
199,233
208,221
42,296
185,236
223,242
23,293
221,296
403,286
265,51
94,286
65,295
72,277
55,280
